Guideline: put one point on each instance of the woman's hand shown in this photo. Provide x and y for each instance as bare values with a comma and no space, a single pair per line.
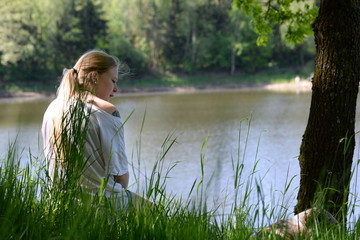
123,180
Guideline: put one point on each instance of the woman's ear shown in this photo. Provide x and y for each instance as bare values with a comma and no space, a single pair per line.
94,77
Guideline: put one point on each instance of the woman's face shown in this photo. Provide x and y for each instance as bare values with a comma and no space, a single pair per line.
105,86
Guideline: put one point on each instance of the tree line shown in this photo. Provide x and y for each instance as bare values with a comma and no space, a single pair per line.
40,38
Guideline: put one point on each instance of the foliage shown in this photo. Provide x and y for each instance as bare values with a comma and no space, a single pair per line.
152,36
23,39
297,16
78,29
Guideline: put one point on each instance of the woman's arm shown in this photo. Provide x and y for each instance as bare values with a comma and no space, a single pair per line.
123,180
137,200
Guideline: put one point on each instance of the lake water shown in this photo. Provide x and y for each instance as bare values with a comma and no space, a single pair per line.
277,122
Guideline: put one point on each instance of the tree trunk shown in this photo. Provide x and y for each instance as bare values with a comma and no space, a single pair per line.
193,42
328,143
234,40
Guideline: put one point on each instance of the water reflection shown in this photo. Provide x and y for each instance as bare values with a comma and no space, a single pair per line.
277,123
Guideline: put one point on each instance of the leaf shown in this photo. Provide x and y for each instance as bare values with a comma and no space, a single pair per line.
297,14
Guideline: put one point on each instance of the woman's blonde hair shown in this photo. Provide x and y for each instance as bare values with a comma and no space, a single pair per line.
76,79
74,85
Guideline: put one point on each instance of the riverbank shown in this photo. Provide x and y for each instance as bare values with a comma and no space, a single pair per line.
281,80
301,86
297,87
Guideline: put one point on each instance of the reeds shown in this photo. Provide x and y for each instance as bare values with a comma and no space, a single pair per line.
31,209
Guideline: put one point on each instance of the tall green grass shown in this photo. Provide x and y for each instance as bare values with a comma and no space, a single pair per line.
31,209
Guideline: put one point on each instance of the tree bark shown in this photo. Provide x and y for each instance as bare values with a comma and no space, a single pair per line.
328,143
193,41
234,38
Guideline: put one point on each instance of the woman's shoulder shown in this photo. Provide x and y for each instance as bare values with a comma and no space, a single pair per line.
105,105
52,107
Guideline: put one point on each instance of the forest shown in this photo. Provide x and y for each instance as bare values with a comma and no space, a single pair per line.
153,37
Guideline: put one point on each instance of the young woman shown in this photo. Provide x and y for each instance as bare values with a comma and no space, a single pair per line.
92,81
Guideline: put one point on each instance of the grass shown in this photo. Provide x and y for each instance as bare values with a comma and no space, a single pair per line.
29,209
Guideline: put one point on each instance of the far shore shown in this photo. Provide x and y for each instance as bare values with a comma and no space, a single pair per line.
296,87
302,86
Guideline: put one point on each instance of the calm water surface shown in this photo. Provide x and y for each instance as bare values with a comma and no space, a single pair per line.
277,122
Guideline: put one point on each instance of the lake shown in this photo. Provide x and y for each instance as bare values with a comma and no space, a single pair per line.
276,122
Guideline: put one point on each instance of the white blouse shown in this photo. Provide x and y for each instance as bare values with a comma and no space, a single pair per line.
104,149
